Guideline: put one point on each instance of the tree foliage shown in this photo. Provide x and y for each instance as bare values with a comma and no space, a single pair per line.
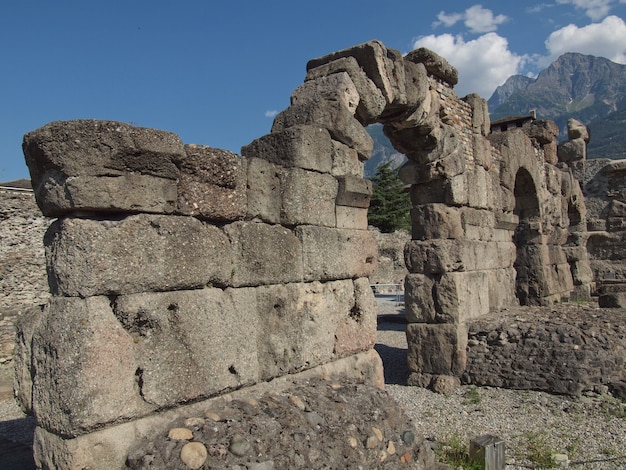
390,205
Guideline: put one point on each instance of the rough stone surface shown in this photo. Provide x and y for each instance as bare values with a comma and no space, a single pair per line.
212,184
435,64
140,253
56,152
336,428
566,351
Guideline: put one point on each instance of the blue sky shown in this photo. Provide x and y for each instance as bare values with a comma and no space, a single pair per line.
216,73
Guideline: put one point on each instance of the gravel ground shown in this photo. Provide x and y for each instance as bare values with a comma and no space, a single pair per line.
590,430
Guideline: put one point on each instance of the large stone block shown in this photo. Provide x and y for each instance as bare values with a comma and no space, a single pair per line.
308,197
450,166
419,300
351,217
357,328
437,349
334,87
354,191
346,161
446,255
307,147
436,221
416,84
61,150
462,296
572,150
212,184
60,195
435,65
502,288
191,344
140,253
379,65
481,123
263,254
84,367
264,190
371,99
297,324
330,254
332,116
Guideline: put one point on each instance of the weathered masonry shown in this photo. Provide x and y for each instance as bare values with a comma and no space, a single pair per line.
181,272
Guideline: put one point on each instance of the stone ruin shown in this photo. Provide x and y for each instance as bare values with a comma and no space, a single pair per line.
182,272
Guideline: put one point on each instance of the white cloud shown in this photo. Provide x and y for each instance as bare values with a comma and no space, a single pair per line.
483,63
476,18
271,113
594,9
605,39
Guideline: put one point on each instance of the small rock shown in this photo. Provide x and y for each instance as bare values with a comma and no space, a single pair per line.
239,446
212,416
353,442
378,433
383,456
371,442
405,458
314,419
180,434
196,421
267,465
408,438
193,454
391,448
297,402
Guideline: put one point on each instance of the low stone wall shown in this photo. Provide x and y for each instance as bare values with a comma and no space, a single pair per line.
569,349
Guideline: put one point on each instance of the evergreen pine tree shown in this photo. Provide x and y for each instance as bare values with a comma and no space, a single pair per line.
390,205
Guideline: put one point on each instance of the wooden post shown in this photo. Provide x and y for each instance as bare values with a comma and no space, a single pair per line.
488,450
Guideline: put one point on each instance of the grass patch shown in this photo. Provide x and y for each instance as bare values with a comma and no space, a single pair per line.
454,452
472,397
538,451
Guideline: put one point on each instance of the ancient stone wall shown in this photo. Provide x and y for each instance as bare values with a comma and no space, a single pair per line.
180,272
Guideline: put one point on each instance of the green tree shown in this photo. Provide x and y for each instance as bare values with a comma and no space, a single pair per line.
390,205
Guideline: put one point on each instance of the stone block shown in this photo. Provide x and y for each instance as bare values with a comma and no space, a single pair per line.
437,349
330,254
308,197
479,224
354,191
482,152
371,102
191,344
462,296
445,255
416,84
429,192
357,328
306,147
60,195
212,184
345,161
335,87
374,60
419,301
84,368
436,221
332,116
481,123
612,300
502,288
351,217
577,130
435,65
297,324
27,324
572,150
263,254
63,149
543,131
264,190
450,166
140,253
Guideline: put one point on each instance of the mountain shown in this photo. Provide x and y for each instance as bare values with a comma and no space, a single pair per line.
579,86
383,151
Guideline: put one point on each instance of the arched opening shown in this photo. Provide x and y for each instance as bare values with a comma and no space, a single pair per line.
527,209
